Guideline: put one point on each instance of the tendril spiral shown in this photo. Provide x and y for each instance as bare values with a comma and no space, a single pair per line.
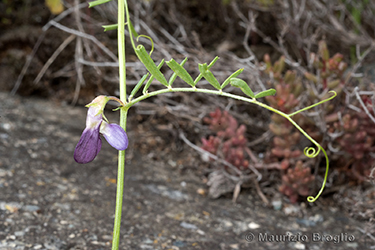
311,152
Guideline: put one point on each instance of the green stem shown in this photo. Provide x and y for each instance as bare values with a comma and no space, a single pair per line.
128,22
123,117
120,190
121,49
315,104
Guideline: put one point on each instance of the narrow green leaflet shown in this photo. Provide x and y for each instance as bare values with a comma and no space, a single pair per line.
132,30
145,58
114,26
98,2
235,74
148,83
199,77
110,27
138,86
207,74
179,71
267,92
239,83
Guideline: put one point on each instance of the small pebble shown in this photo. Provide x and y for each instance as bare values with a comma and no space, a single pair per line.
299,246
6,126
253,225
317,218
146,246
201,191
234,246
107,237
179,243
291,209
277,204
19,233
353,245
148,241
306,222
172,163
188,225
201,232
4,136
227,223
31,208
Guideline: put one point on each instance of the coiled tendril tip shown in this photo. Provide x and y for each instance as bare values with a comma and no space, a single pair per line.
312,199
311,152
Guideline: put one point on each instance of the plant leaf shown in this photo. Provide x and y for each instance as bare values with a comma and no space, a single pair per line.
148,83
97,2
199,77
267,92
179,71
145,58
132,30
110,27
239,83
207,74
138,86
235,74
115,26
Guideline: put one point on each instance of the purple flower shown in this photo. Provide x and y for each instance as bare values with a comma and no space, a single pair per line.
90,142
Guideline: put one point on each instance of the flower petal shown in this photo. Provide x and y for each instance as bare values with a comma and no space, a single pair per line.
115,135
88,146
94,116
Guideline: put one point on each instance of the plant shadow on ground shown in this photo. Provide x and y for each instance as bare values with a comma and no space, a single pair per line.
47,201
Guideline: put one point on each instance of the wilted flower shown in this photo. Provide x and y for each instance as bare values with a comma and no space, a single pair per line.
90,142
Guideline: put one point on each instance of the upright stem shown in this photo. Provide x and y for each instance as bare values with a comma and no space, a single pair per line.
123,116
121,49
120,189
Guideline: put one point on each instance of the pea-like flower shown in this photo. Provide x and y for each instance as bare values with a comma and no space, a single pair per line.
90,142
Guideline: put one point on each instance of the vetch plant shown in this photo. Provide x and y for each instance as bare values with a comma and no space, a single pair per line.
96,124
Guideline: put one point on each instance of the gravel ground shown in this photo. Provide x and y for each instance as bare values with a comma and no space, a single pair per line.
47,201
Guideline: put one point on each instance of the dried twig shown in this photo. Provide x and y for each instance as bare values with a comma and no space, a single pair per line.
79,54
64,14
360,59
260,193
53,22
27,64
79,69
62,46
363,105
204,152
87,36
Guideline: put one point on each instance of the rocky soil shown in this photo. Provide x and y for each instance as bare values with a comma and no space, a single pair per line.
47,201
